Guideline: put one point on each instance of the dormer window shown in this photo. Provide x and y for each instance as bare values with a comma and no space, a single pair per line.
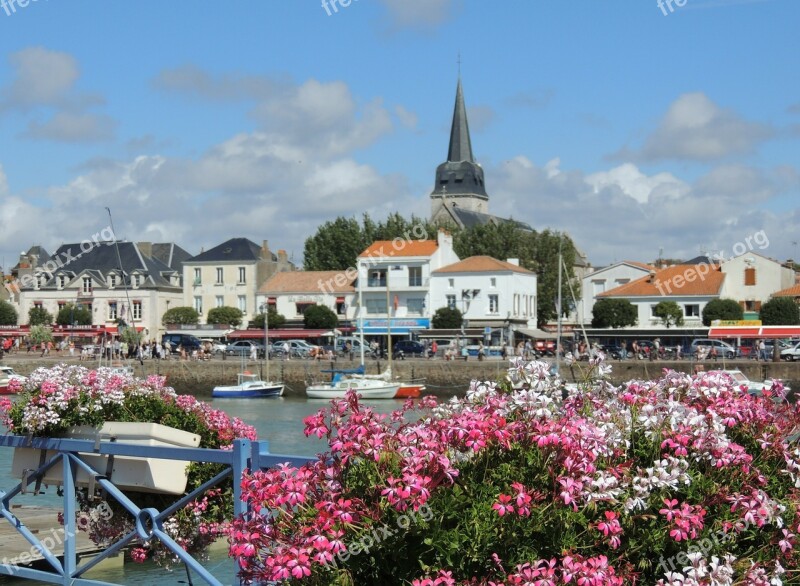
62,281
112,281
135,281
87,284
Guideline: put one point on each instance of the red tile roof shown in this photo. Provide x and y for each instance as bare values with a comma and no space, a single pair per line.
482,264
793,291
699,279
400,247
309,282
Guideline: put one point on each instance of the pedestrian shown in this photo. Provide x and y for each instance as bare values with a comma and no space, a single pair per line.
285,348
762,350
253,352
480,351
434,349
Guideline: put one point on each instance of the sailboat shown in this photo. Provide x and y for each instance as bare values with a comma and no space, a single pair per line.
248,385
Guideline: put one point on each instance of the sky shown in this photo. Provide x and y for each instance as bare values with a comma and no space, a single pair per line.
640,130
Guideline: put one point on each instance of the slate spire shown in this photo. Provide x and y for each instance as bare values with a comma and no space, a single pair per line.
460,144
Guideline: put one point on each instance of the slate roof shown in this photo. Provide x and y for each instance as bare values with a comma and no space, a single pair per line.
672,280
101,259
233,250
384,248
469,219
307,282
38,251
170,254
482,264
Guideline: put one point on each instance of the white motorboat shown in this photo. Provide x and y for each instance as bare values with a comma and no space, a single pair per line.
366,387
753,387
248,386
7,374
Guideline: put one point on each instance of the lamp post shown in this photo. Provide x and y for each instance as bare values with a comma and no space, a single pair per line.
265,309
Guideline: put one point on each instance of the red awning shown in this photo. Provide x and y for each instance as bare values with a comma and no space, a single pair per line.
780,331
340,300
769,332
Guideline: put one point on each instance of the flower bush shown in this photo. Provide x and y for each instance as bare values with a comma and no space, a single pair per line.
54,399
684,480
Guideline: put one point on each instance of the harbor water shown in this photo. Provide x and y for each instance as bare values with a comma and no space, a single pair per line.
278,420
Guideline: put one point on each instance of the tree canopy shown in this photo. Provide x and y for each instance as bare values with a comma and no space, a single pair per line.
320,317
721,309
780,311
40,333
39,316
8,315
670,313
180,315
447,318
71,313
229,316
275,319
614,313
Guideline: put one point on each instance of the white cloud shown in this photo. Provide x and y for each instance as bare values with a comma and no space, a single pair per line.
73,127
480,117
634,183
3,182
695,128
407,118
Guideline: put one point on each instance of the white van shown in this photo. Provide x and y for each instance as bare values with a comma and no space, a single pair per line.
355,344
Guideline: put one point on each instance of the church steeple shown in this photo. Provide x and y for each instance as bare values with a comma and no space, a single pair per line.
459,180
460,144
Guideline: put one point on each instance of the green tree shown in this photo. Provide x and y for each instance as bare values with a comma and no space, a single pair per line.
721,309
274,319
39,316
40,333
180,315
669,313
613,313
447,318
230,316
74,314
130,336
780,311
320,317
8,315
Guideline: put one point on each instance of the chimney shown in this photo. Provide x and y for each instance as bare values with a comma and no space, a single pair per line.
445,239
265,254
146,248
282,257
513,261
651,277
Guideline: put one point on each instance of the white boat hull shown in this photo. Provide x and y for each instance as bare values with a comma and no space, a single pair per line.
367,388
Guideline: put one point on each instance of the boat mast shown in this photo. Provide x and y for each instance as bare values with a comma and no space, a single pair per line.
360,311
558,309
266,338
388,320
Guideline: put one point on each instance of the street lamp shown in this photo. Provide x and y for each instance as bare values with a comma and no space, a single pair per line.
265,309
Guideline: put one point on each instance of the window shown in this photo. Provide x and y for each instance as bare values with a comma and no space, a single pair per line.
451,283
516,304
691,310
219,300
243,304
416,305
752,305
61,305
652,311
451,301
493,282
242,274
376,306
38,281
198,305
137,310
62,281
494,303
750,277
112,310
415,276
37,304
219,275
377,278
302,306
87,284
198,280
341,307
112,281
619,282
135,281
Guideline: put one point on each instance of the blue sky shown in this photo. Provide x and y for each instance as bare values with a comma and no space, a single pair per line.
631,130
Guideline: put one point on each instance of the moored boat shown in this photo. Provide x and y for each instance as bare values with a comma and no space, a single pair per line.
7,374
248,386
367,388
407,390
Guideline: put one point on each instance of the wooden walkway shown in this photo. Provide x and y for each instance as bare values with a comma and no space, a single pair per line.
43,523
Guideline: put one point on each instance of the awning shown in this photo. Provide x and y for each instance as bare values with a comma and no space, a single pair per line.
202,332
279,334
340,300
536,334
769,332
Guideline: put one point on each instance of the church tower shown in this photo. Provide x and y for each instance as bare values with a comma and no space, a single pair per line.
459,180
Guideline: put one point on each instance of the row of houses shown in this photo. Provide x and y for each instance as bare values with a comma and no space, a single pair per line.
396,287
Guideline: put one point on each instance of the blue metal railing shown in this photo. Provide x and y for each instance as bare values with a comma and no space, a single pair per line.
149,522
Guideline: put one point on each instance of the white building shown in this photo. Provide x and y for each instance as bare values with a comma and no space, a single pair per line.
605,279
229,275
488,292
139,294
751,279
394,282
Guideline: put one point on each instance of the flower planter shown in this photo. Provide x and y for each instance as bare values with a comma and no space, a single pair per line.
127,472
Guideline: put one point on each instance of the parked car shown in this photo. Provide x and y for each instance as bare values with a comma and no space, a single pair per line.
217,347
723,349
186,341
791,353
297,348
244,348
409,348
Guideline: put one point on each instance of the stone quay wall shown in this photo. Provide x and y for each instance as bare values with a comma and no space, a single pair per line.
441,377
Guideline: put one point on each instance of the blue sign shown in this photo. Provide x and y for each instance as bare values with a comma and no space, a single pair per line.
399,325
